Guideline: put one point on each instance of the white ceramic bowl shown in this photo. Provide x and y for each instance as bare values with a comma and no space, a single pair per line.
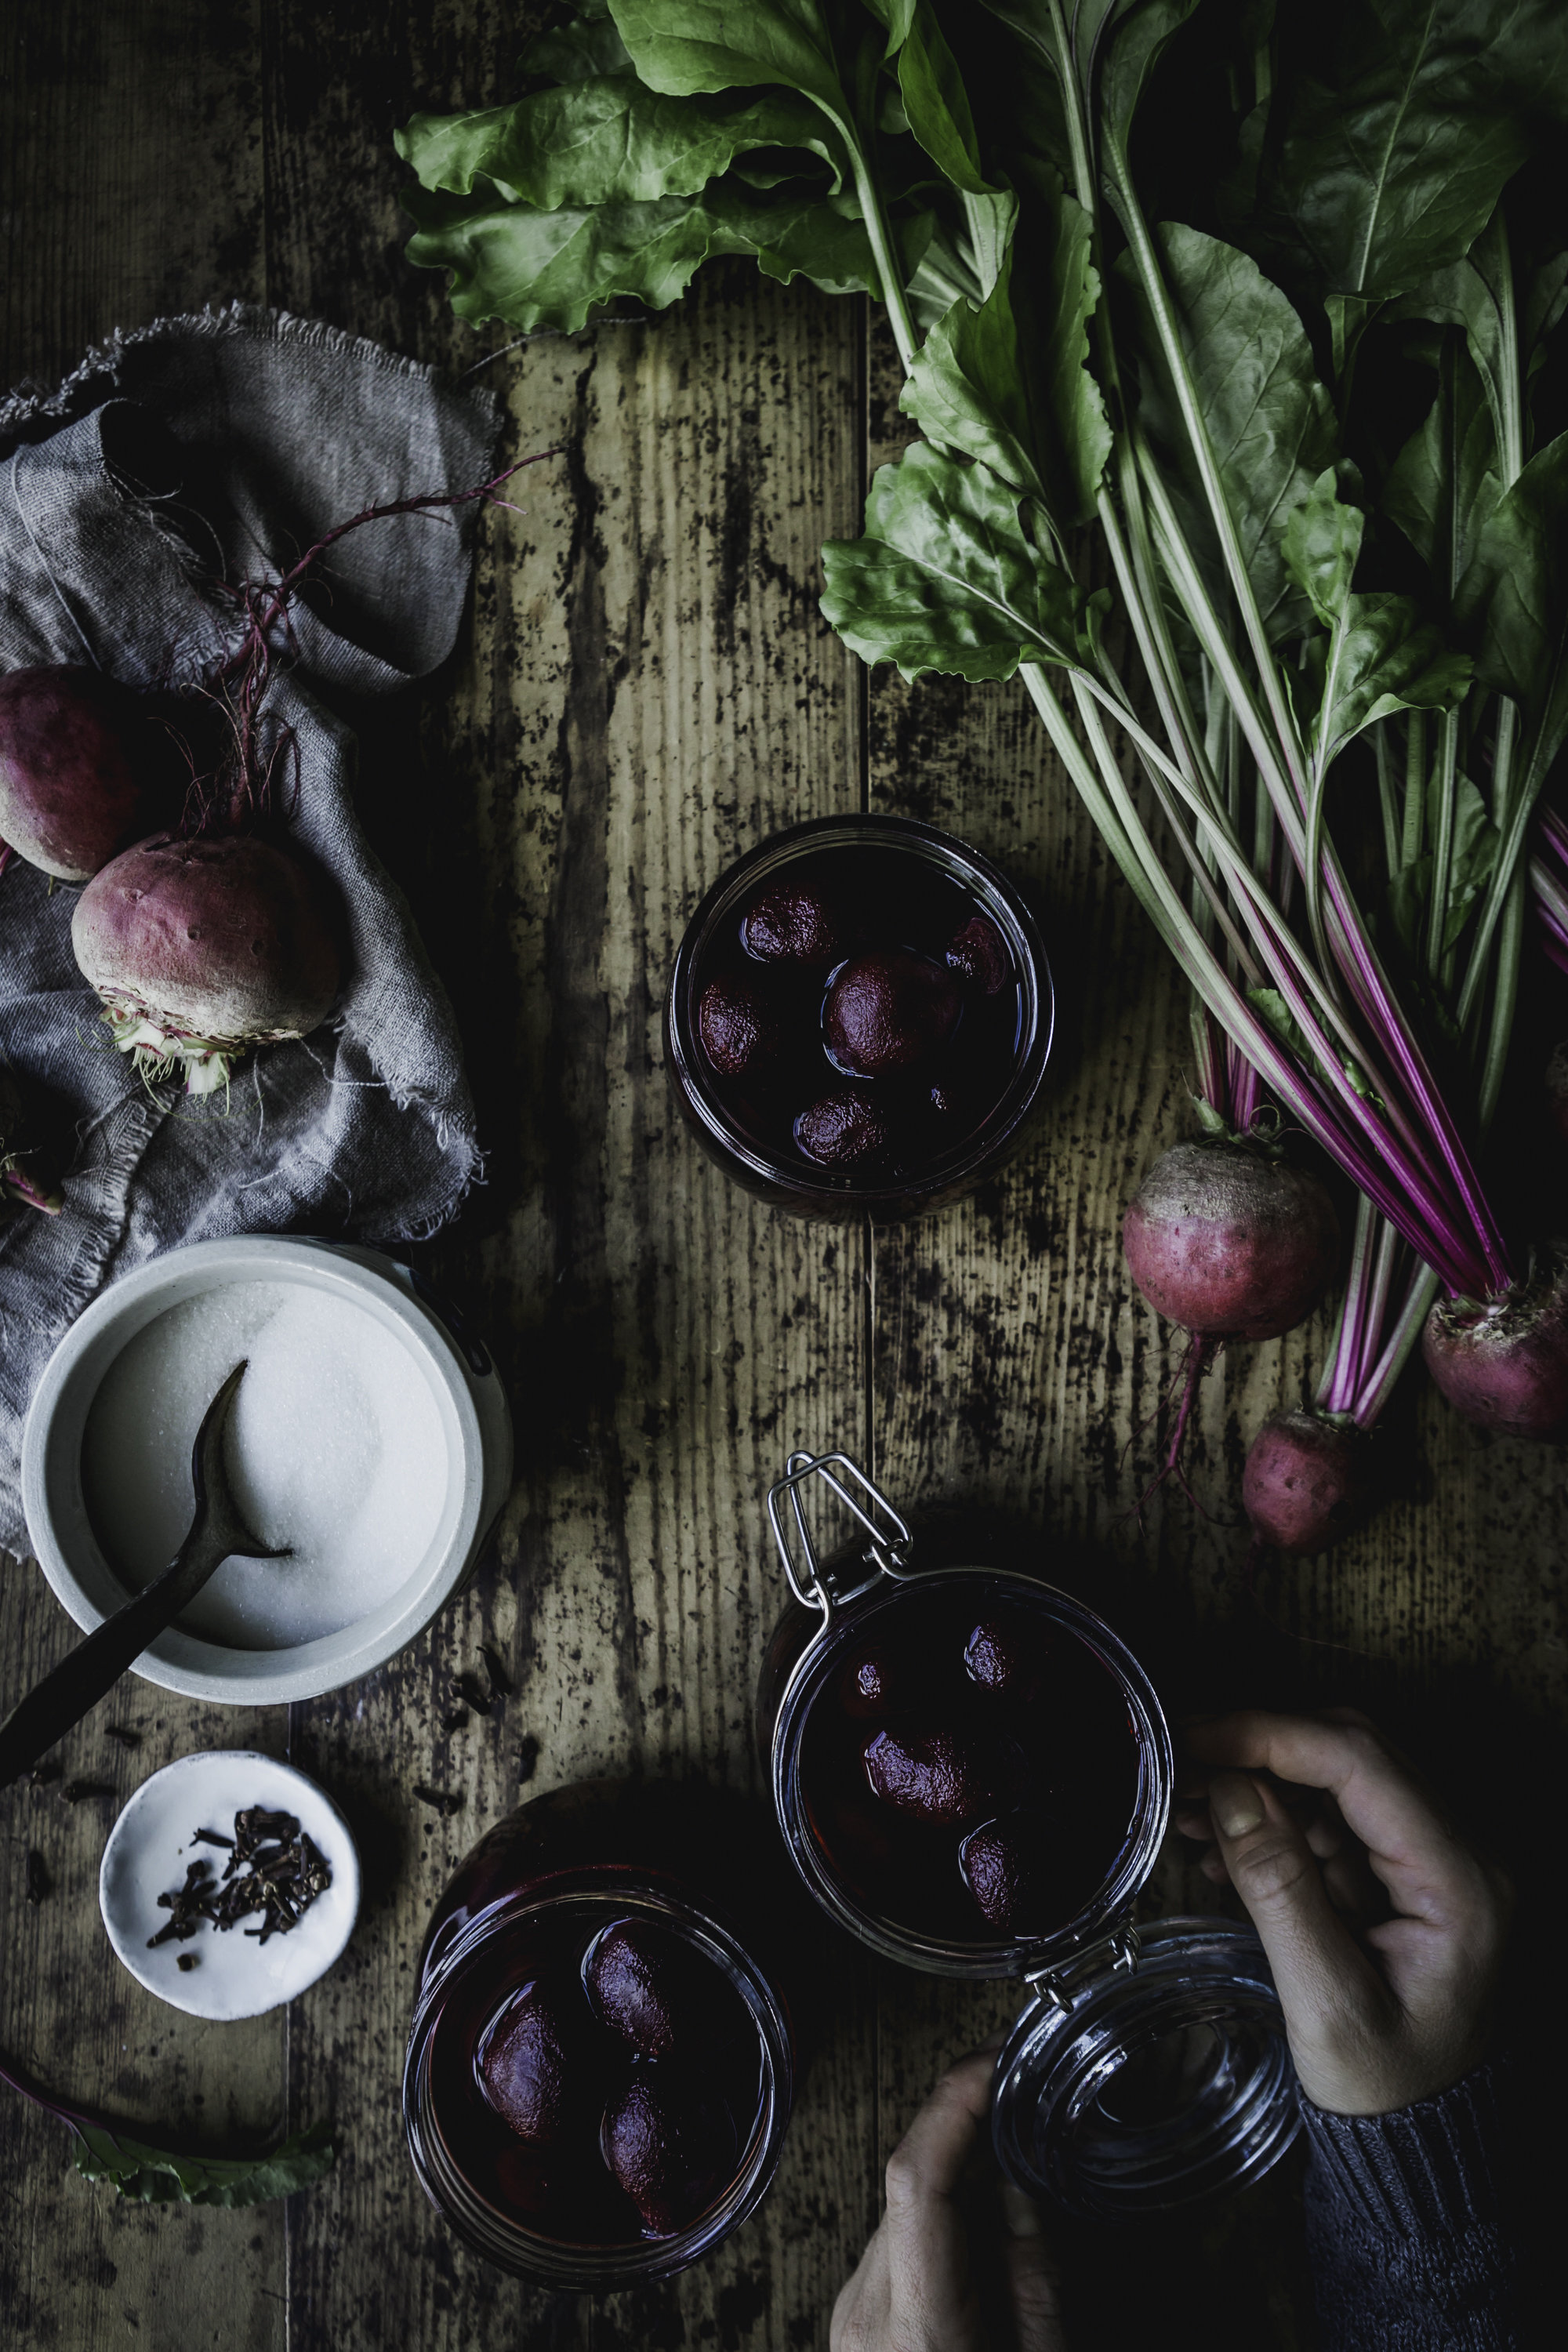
471,1406
150,1848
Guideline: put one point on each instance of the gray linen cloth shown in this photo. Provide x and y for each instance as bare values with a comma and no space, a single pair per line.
226,444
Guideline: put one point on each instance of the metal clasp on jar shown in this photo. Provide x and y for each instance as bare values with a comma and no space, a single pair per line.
887,1550
1116,1953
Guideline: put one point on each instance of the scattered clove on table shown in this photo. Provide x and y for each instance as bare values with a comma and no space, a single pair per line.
447,1801
501,1682
474,1691
75,1792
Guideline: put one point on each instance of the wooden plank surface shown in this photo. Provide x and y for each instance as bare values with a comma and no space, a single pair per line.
645,688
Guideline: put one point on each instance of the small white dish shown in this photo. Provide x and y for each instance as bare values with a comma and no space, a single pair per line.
150,1849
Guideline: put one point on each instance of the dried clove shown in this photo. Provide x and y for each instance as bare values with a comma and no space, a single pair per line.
187,1961
280,1871
527,1758
501,1682
42,1775
456,1720
37,1876
474,1691
440,1800
75,1792
123,1734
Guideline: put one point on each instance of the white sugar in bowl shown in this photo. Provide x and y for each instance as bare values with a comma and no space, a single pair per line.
369,1433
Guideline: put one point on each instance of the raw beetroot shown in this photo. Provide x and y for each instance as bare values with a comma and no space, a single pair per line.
1230,1243
1308,1480
202,949
942,1776
80,775
1503,1361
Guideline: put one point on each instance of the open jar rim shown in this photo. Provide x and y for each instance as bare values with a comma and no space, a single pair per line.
1154,2074
600,1894
1000,1956
1000,898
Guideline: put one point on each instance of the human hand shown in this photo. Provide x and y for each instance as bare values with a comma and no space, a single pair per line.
917,2288
1383,1927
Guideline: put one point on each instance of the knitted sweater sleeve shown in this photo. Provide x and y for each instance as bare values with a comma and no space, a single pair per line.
1406,2230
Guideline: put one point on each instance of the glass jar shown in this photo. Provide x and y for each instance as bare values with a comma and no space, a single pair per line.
937,1156
676,1862
1149,2064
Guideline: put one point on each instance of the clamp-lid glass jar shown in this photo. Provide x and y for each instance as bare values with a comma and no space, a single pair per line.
973,1774
859,1019
603,2054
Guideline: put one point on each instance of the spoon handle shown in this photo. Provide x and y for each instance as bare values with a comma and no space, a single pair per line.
95,1665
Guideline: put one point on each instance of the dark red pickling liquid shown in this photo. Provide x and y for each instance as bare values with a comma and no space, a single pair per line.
970,1772
604,2090
860,1011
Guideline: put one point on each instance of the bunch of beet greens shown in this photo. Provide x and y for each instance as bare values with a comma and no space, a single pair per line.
1255,313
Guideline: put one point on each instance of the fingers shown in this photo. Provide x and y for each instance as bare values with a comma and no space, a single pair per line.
1034,2283
927,2245
1318,1965
928,2160
1412,1851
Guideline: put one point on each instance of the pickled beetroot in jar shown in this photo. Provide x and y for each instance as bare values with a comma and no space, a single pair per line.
602,2059
564,2095
859,1015
969,1772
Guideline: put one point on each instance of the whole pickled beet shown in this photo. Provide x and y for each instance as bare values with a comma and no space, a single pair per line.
1027,1874
886,1011
795,925
842,1128
1006,1657
669,2149
530,2061
878,1681
939,1776
978,953
645,1988
738,1027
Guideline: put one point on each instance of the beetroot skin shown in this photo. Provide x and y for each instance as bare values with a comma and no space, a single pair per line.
529,2067
1308,1481
644,1988
668,2150
886,1012
1228,1243
201,948
794,926
738,1029
1504,1364
940,1777
842,1127
72,793
978,953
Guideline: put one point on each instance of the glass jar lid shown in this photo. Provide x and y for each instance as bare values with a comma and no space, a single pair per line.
1150,2070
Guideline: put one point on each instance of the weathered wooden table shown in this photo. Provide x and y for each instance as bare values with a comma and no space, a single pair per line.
647,686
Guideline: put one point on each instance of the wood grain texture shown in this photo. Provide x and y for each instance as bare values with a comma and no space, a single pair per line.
645,688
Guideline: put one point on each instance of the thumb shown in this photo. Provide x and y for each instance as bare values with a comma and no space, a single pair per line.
1314,1957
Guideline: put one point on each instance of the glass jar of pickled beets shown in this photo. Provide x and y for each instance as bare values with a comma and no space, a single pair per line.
859,1019
973,1774
602,2055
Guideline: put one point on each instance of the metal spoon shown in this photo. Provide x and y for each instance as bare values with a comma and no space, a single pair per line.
217,1533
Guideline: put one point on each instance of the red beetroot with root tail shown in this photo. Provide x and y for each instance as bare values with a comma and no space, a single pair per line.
202,949
1308,1480
1230,1243
1503,1361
